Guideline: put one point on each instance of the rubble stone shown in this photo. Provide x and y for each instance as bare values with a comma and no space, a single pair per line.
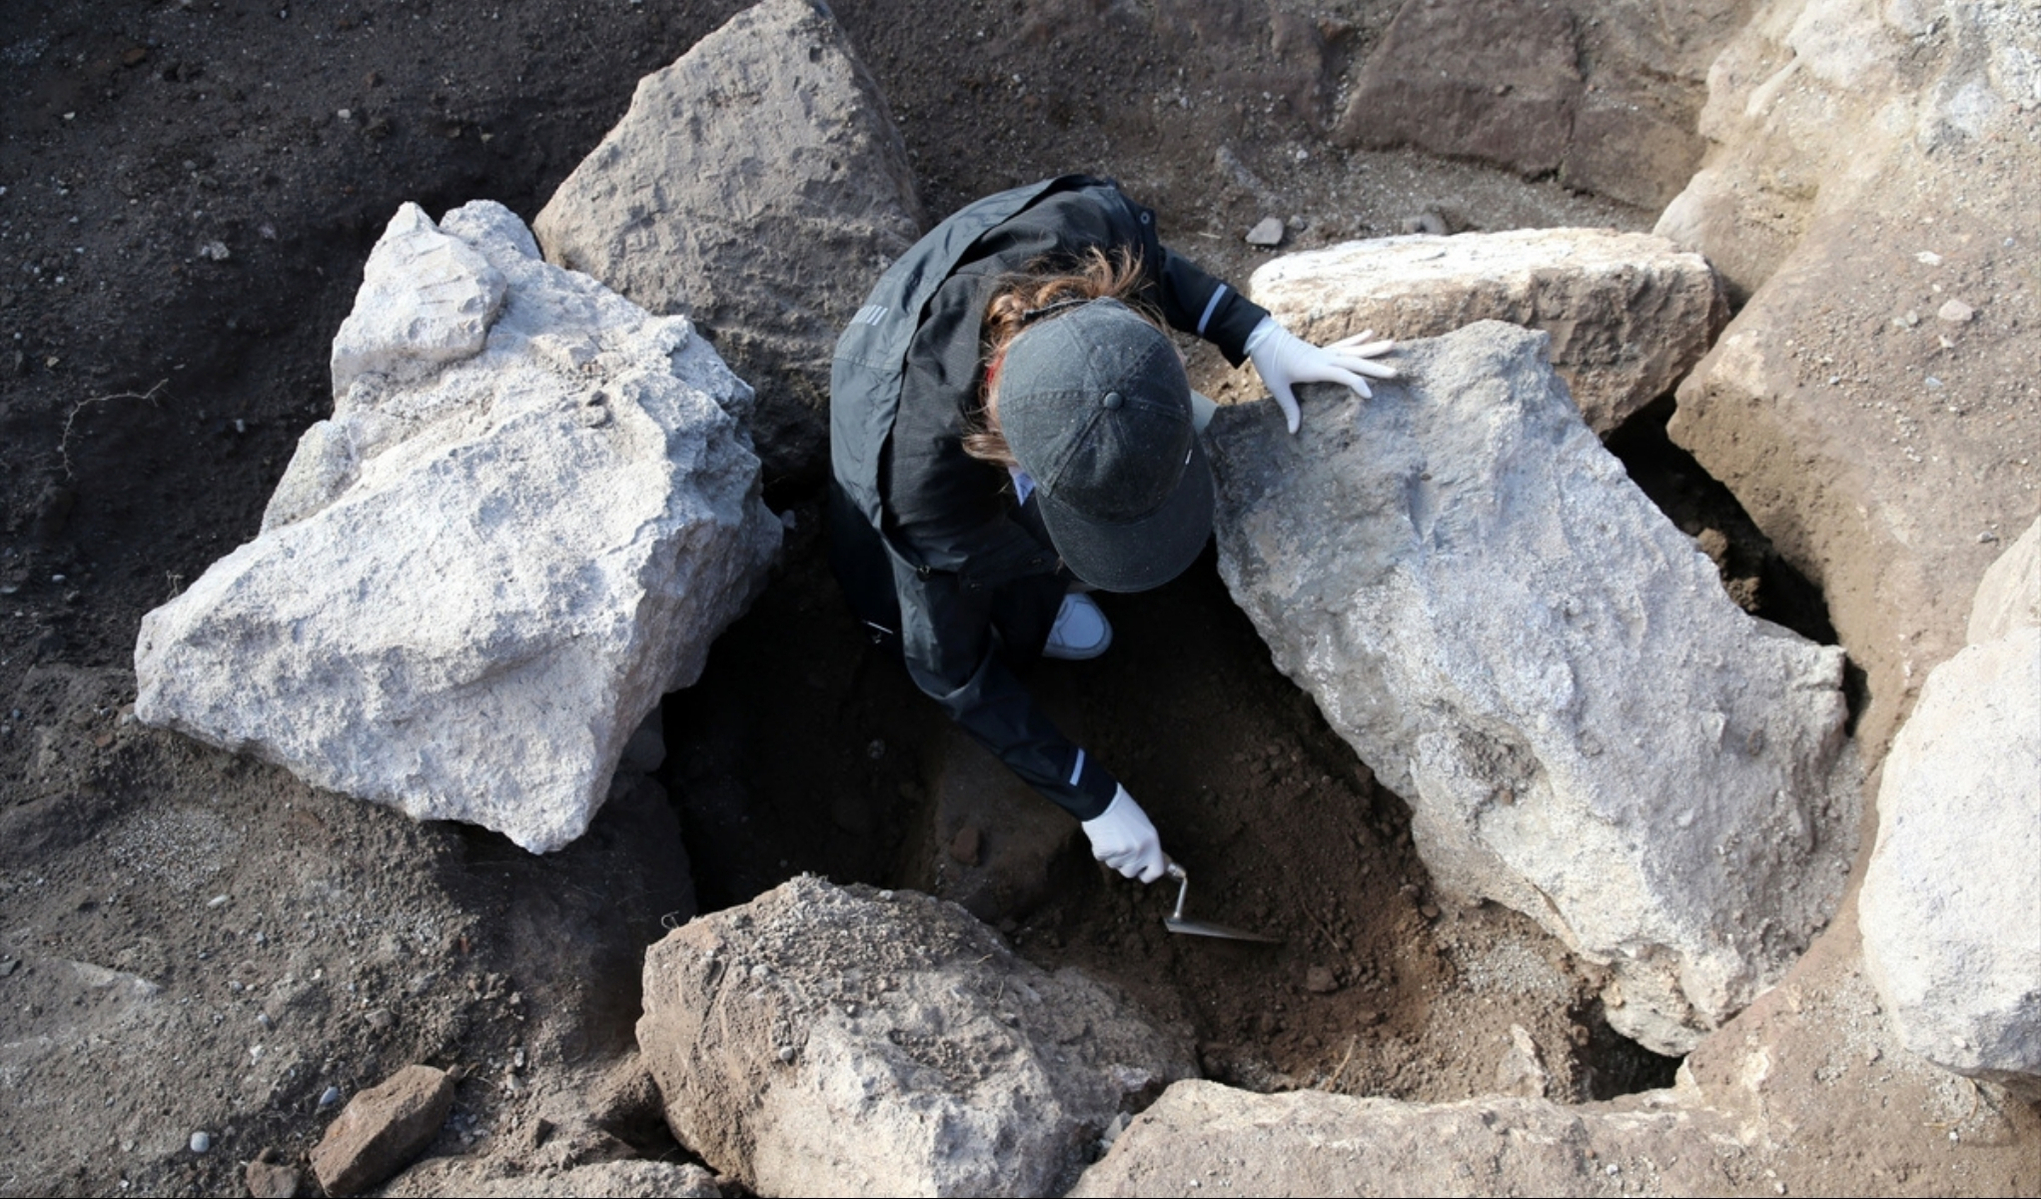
940,1064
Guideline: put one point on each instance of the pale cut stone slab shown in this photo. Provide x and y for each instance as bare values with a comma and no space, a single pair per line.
1628,313
476,579
1507,631
843,1041
758,186
1951,905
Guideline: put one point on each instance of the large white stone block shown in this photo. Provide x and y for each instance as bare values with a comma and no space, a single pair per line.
531,512
1507,631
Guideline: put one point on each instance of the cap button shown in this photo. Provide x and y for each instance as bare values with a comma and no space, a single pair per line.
1112,399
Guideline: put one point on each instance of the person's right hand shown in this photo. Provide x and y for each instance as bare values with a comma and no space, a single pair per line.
1283,360
1123,838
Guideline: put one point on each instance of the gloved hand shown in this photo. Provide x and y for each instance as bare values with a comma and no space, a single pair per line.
1284,360
1122,838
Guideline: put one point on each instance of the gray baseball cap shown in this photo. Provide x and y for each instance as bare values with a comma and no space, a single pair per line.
1095,406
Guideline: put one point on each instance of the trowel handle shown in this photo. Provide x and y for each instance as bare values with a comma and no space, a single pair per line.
1183,884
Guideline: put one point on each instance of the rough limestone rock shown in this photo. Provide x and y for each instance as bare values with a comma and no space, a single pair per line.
1628,314
1506,630
450,1176
841,1041
1810,104
1869,168
475,580
382,1129
1951,905
758,186
1202,1139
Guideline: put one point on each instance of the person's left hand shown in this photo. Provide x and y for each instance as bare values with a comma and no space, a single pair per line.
1284,360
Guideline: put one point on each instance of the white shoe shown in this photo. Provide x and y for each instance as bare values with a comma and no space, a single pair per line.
1081,631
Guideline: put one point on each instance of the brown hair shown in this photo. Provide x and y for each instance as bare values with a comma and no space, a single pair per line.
1018,303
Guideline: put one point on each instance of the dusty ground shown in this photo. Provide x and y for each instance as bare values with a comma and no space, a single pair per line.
190,942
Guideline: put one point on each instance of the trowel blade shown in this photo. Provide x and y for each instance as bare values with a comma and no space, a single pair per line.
1205,928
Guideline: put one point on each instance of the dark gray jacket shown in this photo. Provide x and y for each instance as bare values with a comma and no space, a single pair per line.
969,573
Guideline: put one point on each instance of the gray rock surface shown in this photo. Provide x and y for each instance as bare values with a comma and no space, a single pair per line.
1508,632
1951,905
382,1129
758,186
1203,1139
542,537
1628,314
842,1041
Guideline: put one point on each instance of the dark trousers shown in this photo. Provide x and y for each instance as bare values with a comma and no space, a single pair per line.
1022,611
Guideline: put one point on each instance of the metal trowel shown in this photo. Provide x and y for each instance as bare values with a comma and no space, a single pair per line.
1177,922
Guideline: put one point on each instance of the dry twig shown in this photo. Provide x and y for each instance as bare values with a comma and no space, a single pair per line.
71,417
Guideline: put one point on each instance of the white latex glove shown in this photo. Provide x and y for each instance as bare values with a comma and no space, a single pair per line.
1284,360
1122,838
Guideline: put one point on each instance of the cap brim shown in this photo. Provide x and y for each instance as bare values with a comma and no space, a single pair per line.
1144,553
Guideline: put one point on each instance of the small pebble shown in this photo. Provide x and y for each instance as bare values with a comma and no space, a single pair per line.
329,1097
1956,312
201,1142
787,1055
1268,232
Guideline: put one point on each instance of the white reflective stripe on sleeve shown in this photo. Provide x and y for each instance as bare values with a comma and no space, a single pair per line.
1023,483
1206,318
1077,771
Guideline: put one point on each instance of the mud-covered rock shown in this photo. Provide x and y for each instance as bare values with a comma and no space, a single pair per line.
845,1041
476,579
1602,93
1587,727
1628,314
1952,900
758,186
996,846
